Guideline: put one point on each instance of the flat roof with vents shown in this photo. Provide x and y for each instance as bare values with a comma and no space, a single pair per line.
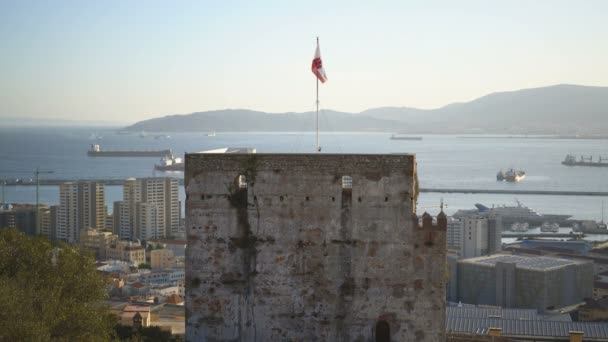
533,262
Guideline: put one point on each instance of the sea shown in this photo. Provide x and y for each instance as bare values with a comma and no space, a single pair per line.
444,161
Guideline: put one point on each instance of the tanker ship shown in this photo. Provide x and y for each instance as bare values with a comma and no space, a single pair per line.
96,151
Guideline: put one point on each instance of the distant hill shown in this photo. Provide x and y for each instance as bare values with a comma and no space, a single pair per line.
559,109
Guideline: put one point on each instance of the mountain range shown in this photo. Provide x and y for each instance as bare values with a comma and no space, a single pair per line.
558,109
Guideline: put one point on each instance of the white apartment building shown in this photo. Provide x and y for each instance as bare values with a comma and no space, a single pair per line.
149,210
81,205
473,236
67,214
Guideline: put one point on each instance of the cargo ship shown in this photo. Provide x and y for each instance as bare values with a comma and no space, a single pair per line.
404,137
96,151
570,160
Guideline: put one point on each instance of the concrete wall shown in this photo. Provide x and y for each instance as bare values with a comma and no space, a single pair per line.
295,256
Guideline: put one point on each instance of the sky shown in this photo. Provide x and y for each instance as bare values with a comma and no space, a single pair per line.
124,61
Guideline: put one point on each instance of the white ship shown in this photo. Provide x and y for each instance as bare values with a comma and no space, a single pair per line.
549,228
513,214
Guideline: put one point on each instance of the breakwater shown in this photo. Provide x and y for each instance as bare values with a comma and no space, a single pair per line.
435,190
517,192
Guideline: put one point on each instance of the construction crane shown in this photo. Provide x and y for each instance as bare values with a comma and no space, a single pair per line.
3,193
37,173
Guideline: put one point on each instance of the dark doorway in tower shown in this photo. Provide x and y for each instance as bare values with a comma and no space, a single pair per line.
383,332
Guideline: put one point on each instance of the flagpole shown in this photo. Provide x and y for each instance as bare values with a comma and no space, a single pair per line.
318,148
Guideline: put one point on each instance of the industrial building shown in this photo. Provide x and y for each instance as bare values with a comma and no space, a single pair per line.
516,281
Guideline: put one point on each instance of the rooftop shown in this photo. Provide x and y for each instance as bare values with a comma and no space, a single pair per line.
528,328
532,262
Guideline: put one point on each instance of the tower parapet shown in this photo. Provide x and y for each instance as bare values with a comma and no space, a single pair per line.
332,240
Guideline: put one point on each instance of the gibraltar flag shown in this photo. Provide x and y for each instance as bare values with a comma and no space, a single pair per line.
317,66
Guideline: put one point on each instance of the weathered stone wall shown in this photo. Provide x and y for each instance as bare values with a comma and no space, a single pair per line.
294,256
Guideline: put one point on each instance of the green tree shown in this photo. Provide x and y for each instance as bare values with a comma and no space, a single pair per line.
144,265
50,293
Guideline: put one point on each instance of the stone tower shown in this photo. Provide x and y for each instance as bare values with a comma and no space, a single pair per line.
311,247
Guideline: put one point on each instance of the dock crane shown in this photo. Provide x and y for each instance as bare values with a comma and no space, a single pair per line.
37,173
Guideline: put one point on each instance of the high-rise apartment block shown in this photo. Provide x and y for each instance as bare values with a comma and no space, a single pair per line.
67,215
92,205
81,205
473,235
149,209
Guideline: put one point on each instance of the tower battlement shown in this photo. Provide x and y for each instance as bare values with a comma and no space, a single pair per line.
310,247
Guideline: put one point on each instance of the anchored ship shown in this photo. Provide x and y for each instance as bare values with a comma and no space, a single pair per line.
510,175
571,160
404,137
96,151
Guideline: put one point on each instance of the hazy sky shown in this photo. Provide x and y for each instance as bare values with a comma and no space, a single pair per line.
130,60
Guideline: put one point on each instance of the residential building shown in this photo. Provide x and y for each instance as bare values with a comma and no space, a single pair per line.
81,205
150,209
47,223
600,289
172,276
454,234
109,223
516,281
474,235
177,246
128,251
91,205
162,258
21,217
122,225
137,316
593,310
150,221
98,241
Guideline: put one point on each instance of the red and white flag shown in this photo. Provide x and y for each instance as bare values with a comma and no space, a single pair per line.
317,65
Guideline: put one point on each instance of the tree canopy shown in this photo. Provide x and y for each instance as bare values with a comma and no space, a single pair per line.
50,292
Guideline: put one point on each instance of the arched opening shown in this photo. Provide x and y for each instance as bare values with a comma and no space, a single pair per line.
383,332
